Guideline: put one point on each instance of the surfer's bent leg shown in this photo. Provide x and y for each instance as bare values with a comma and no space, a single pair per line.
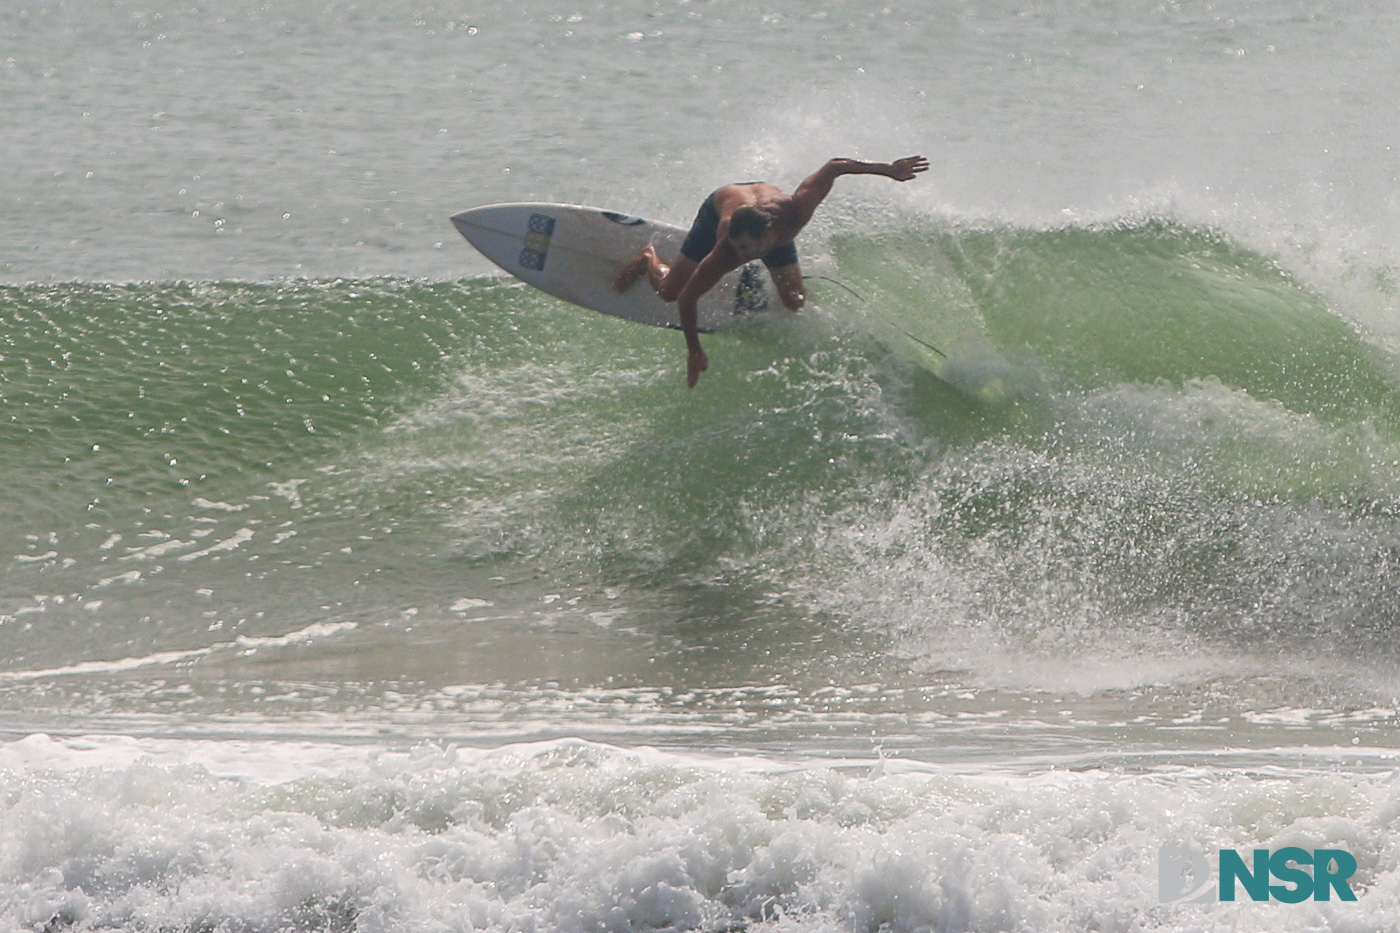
666,280
670,280
634,268
788,280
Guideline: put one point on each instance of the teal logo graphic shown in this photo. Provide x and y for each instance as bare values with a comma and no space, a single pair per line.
1185,877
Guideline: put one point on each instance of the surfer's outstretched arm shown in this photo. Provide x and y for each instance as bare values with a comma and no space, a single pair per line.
817,186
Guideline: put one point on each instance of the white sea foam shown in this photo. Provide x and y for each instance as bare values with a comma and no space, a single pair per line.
231,543
159,658
575,836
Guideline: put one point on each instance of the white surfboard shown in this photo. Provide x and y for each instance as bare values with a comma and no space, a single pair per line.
575,253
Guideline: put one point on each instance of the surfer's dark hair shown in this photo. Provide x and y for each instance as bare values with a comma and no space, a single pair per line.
749,221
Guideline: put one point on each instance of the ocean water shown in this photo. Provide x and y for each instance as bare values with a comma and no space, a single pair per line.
348,585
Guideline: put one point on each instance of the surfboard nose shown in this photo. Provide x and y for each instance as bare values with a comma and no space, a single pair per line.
460,221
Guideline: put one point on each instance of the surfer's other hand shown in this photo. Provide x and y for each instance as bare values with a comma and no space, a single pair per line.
699,362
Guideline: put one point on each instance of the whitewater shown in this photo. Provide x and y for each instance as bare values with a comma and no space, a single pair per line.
347,584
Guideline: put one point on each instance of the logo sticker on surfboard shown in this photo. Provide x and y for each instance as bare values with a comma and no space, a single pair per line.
536,249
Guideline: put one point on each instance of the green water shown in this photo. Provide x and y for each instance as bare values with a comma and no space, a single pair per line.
1182,434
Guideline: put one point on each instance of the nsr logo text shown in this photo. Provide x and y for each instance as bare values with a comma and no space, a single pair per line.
1183,876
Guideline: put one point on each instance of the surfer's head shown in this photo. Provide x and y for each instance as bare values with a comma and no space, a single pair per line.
749,227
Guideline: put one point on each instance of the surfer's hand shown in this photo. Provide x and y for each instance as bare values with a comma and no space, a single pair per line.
906,168
699,362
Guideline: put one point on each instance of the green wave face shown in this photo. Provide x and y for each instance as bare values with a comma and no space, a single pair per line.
1130,304
1187,453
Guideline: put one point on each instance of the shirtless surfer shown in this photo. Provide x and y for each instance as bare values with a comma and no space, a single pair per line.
738,224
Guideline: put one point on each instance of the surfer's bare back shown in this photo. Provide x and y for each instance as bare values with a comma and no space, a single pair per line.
741,223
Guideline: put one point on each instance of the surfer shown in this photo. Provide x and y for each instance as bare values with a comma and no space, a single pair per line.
738,224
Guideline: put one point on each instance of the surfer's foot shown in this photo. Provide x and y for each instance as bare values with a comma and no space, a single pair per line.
632,271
